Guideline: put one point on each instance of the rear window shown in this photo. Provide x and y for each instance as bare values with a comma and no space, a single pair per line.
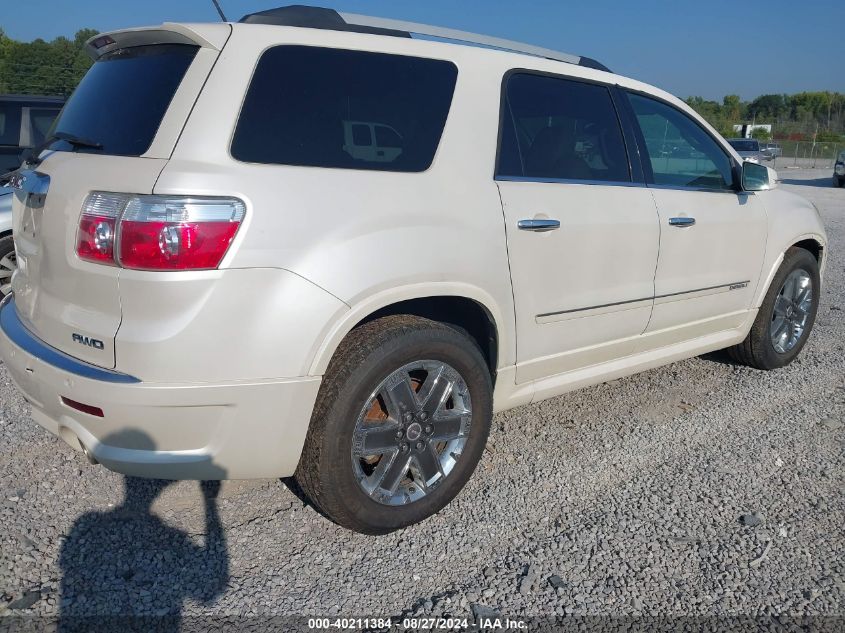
318,107
122,99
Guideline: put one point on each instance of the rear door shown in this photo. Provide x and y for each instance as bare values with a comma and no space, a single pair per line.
712,236
582,235
125,116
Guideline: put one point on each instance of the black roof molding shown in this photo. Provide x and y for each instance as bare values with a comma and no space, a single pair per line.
320,18
314,18
589,62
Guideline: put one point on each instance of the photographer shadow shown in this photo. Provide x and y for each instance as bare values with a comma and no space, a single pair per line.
126,569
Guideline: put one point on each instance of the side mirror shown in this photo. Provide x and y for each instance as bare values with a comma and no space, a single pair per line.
757,177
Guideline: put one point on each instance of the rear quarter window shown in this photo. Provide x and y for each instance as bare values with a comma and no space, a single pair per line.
309,106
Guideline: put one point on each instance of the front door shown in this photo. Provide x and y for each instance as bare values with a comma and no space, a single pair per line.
582,237
713,237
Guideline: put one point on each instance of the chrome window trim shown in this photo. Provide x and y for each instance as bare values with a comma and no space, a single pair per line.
701,189
17,333
616,183
569,181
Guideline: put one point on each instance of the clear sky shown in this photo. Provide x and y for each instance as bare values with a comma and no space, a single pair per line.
704,47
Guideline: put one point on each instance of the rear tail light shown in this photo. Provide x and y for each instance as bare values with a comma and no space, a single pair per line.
158,232
97,226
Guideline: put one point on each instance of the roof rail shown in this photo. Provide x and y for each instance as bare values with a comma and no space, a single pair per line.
320,18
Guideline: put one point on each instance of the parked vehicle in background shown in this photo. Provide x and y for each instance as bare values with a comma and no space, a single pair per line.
749,149
7,245
839,170
227,288
24,123
772,149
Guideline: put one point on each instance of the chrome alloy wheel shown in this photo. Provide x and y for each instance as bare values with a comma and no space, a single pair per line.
792,310
411,432
8,265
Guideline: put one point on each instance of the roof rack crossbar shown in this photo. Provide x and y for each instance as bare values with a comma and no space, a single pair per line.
320,18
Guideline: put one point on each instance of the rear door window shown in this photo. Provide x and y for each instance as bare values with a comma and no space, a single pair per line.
310,106
121,101
560,129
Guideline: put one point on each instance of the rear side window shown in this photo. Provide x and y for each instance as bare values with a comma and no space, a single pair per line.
554,128
121,101
318,107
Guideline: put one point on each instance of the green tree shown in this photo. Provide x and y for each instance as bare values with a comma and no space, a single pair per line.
46,68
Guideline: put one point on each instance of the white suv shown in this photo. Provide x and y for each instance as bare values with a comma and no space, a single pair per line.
212,285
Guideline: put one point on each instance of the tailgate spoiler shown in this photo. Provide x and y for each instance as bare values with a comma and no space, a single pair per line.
211,36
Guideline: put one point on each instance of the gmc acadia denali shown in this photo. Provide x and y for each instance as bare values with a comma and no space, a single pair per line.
308,244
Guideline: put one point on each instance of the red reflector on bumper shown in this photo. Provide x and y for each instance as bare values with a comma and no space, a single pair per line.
85,408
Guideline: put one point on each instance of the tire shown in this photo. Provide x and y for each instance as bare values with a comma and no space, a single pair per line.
406,351
838,181
759,348
7,264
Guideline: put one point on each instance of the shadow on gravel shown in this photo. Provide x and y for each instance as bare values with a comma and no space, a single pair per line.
827,181
293,485
126,569
720,357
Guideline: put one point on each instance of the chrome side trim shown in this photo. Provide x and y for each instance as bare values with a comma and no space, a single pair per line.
11,326
597,307
735,285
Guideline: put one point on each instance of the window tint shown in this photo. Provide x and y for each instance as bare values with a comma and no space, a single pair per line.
303,101
558,128
123,97
10,124
680,152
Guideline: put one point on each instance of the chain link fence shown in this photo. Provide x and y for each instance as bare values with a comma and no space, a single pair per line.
808,154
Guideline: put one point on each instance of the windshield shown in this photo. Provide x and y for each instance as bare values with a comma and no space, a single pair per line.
120,102
745,145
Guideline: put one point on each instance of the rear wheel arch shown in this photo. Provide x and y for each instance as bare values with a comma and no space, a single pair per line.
474,317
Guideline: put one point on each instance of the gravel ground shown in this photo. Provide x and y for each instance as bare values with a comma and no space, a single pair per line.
701,488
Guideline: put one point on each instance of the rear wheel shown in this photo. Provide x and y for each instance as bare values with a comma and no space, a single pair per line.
786,316
400,424
8,264
838,181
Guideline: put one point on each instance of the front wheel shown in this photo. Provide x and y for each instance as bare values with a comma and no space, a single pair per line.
786,316
400,424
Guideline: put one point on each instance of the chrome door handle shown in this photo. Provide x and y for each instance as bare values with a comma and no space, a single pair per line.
538,226
681,222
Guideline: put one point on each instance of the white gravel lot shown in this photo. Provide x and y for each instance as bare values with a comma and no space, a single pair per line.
701,488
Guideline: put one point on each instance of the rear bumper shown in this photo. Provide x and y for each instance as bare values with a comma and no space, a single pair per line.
233,430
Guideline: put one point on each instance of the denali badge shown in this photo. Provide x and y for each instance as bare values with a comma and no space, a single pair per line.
744,284
90,342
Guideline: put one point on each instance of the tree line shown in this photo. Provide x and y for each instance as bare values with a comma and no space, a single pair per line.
43,68
54,68
804,116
